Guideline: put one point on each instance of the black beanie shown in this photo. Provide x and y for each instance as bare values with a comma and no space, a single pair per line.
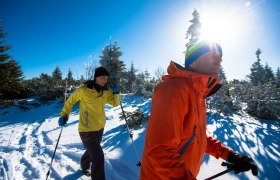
101,71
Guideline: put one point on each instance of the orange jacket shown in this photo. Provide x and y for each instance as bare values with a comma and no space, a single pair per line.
176,137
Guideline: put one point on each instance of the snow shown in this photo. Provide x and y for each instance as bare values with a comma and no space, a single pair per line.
28,138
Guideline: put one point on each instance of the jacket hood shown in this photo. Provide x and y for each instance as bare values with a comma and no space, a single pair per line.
209,84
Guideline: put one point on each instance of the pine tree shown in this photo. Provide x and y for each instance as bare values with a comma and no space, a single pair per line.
131,79
46,80
261,101
241,93
147,75
110,59
269,76
193,33
41,87
257,71
140,81
11,75
51,87
57,77
277,75
69,78
264,101
222,75
32,86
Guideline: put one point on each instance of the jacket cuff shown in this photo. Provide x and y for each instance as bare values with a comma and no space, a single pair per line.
226,152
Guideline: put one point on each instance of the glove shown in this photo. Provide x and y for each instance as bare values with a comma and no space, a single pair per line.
116,89
62,120
242,163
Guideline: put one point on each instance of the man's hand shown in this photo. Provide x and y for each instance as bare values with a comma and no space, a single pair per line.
62,120
116,89
242,163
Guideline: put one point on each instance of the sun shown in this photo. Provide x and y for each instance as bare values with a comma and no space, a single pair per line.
221,25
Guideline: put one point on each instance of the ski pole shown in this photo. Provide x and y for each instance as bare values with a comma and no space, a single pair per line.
230,168
130,135
48,173
219,174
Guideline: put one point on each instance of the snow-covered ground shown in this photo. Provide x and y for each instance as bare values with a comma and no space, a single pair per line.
28,138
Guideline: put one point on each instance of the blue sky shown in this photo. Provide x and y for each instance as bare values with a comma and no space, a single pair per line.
69,33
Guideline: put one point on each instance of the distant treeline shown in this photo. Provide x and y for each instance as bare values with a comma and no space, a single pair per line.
259,95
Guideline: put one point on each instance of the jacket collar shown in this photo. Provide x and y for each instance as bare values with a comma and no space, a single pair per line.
93,86
206,84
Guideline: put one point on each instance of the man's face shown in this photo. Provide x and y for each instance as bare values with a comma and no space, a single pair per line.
101,80
209,63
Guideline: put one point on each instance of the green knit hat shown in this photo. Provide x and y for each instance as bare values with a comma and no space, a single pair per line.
195,50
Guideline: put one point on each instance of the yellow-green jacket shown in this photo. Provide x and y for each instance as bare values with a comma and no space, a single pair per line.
92,114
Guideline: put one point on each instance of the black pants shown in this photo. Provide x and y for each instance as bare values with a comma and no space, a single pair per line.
93,154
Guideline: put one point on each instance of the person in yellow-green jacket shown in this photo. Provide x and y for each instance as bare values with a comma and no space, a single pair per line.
92,95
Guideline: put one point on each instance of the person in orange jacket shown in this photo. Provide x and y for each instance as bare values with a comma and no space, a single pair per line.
176,137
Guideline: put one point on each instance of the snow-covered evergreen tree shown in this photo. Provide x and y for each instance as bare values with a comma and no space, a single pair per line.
134,119
194,30
130,79
277,75
262,96
261,101
258,74
140,84
222,75
239,91
110,59
222,101
145,84
269,76
147,75
264,101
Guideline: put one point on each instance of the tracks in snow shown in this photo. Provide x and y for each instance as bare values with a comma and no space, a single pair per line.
28,155
29,149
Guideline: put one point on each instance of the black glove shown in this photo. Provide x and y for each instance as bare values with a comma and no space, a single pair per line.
242,163
62,120
116,89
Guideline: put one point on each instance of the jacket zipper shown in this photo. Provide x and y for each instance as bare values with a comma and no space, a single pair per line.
188,142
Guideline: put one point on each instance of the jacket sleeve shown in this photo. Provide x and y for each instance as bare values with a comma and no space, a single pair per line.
73,99
163,135
217,149
113,99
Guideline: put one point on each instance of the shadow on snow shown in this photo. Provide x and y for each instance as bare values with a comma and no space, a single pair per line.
265,139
